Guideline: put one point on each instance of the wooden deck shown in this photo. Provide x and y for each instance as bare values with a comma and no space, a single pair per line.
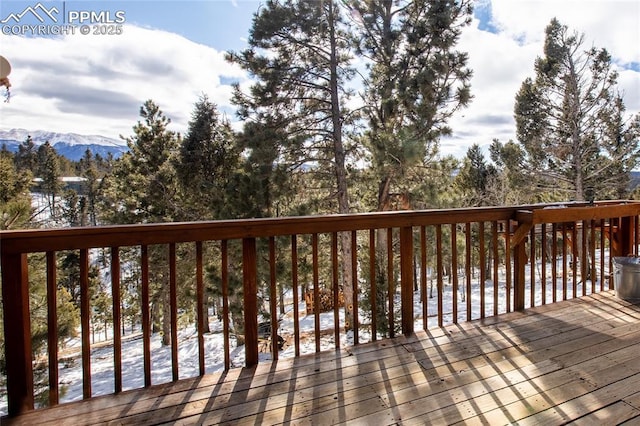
576,360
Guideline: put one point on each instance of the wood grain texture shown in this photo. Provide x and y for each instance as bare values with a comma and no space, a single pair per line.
572,361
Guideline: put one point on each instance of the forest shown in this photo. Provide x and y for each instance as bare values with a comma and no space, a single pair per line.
315,142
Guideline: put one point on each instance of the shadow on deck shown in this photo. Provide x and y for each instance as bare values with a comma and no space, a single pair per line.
573,360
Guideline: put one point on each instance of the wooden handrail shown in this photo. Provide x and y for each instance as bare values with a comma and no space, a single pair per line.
514,226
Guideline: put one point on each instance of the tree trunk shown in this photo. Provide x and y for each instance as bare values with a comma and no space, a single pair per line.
341,174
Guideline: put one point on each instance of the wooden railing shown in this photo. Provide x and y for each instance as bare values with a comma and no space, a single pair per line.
458,264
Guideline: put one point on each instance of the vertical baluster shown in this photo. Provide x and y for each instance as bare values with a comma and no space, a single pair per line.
602,251
146,314
406,279
200,307
224,278
543,261
584,259
454,272
296,296
467,266
273,295
636,245
564,261
440,278
496,278
574,259
611,252
482,261
532,266
592,255
316,290
423,277
250,299
554,265
372,280
507,262
391,288
173,305
117,326
85,315
334,287
354,284
52,325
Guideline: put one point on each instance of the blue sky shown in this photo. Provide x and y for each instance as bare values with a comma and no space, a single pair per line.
173,52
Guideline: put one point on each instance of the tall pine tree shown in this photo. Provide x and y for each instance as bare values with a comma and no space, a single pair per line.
299,54
417,80
143,188
570,120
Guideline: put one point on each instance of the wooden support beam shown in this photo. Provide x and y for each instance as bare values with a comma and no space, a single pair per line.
17,332
519,262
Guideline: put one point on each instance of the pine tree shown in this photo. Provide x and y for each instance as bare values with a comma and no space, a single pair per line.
15,202
207,167
27,156
417,80
143,188
299,54
49,171
476,177
207,162
88,169
16,213
512,185
570,120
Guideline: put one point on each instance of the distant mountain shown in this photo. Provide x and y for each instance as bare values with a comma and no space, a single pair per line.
70,145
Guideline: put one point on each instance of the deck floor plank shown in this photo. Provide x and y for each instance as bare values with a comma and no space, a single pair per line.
574,360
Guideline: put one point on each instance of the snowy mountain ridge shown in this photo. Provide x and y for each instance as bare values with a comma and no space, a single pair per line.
70,145
41,136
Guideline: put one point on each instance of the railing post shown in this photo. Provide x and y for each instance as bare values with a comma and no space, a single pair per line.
519,263
406,279
626,236
17,333
250,287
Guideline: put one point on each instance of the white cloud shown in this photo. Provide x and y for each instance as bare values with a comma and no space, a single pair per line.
96,84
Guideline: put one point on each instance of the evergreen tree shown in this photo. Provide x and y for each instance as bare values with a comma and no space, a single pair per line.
27,156
570,120
88,169
269,178
48,171
143,188
15,202
74,209
207,168
16,213
512,185
476,178
208,159
299,54
417,80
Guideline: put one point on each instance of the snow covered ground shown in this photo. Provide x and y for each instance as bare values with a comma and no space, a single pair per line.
70,366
